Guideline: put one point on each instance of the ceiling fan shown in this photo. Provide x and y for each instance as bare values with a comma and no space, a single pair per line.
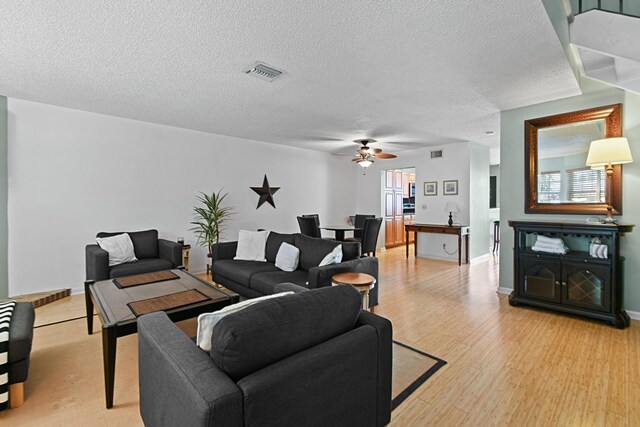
366,155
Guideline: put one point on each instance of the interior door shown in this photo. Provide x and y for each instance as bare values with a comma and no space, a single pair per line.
388,204
397,180
398,217
388,179
389,232
400,234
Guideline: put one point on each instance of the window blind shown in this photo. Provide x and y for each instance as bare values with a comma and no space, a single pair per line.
586,185
549,187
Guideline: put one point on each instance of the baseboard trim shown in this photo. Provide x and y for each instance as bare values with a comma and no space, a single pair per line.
504,290
635,315
479,258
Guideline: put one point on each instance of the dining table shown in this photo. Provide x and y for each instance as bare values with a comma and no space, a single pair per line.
339,230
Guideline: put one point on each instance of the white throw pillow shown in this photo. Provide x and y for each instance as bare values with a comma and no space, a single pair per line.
251,245
206,321
333,257
120,248
287,257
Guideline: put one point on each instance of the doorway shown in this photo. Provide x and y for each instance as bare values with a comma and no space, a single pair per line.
398,204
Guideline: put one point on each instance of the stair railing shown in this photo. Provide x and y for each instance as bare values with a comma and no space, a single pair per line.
621,10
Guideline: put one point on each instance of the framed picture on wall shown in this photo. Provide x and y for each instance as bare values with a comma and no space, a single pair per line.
450,188
431,188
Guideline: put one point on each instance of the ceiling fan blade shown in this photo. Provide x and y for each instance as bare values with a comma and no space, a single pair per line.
356,159
385,156
377,151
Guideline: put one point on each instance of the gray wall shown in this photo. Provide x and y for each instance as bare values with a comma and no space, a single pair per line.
512,189
478,199
4,285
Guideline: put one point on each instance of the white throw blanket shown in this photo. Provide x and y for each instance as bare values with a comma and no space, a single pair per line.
552,245
6,310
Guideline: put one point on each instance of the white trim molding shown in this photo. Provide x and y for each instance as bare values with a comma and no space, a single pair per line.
635,315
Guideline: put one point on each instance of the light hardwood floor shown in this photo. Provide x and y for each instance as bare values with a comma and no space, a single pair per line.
506,366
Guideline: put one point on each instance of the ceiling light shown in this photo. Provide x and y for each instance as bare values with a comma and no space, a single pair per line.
365,163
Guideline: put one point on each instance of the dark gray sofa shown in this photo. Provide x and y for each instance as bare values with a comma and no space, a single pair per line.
253,279
153,255
313,358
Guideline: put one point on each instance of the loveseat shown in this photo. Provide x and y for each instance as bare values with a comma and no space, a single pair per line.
153,254
253,279
311,358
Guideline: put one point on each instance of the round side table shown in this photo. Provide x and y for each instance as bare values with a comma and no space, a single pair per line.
361,281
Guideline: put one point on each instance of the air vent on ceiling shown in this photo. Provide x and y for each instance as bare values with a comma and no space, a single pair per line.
436,154
263,71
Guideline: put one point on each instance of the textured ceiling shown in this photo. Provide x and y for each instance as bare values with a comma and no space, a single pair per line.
418,72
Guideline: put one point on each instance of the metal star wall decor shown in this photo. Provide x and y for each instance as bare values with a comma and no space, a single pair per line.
266,193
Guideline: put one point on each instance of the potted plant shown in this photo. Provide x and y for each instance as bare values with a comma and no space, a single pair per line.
210,219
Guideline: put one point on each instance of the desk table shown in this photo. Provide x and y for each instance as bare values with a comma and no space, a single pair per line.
459,230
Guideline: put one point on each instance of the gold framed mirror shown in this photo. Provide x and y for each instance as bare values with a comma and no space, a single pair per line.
557,180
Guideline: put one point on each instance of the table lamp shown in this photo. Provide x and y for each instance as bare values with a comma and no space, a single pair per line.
603,154
451,208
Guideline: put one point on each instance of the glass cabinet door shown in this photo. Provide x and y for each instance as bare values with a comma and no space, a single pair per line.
586,286
540,278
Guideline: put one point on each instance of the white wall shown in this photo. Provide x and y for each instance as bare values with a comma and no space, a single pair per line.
4,285
453,165
74,173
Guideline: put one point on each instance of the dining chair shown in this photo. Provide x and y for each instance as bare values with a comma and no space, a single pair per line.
359,223
309,226
314,216
370,235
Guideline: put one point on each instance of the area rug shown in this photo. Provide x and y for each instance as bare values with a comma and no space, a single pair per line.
411,368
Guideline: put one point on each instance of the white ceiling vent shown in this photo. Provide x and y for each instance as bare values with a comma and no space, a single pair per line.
263,71
436,154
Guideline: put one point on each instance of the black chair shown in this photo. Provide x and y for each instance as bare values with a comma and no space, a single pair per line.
359,223
309,226
153,254
316,217
370,235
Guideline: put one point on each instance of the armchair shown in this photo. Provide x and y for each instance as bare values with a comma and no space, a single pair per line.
312,358
153,255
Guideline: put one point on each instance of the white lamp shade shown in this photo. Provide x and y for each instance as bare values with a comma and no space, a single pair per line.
614,151
450,207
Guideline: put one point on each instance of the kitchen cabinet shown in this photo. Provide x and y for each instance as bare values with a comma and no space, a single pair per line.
395,190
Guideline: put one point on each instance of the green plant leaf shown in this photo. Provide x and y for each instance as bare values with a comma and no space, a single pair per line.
210,219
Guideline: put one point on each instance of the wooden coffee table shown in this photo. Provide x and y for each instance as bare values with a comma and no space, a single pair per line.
361,281
118,320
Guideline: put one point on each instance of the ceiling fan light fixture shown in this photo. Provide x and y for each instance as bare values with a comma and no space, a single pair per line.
365,163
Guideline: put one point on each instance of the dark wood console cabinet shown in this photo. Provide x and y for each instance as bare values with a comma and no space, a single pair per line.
575,282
